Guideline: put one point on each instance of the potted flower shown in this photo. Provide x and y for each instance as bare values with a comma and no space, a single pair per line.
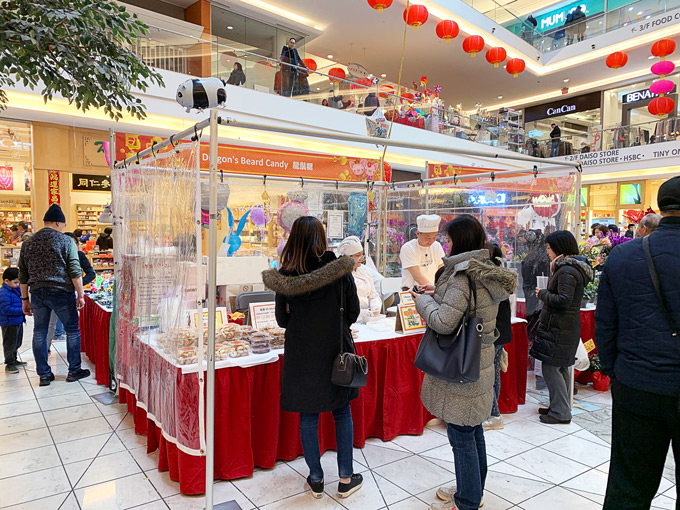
590,292
600,380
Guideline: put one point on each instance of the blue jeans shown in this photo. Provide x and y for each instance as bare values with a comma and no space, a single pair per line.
469,457
43,302
554,149
59,330
344,437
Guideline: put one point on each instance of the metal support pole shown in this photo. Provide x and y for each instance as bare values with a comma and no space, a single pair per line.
212,306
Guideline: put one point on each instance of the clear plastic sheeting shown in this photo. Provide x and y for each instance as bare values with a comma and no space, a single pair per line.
157,275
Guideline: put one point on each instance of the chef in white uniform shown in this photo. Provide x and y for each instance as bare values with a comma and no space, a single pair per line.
422,257
368,296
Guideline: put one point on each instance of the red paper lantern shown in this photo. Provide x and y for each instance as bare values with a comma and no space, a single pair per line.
408,96
447,30
663,48
388,171
415,15
310,63
616,60
386,90
379,5
473,44
496,55
336,74
661,106
361,83
515,66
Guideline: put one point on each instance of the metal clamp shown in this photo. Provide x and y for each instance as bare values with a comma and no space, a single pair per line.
302,182
535,171
493,176
153,145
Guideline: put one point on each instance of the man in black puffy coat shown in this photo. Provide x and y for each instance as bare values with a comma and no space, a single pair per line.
641,354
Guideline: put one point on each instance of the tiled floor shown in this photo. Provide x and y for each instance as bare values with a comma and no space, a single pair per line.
61,449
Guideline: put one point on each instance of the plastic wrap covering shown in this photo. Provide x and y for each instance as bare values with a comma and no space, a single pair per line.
157,281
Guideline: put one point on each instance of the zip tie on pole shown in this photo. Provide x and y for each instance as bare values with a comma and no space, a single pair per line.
172,142
153,146
302,182
195,137
493,176
264,180
535,171
138,157
221,176
337,185
422,184
455,179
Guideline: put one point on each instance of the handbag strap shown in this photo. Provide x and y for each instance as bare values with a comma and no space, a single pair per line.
657,288
342,321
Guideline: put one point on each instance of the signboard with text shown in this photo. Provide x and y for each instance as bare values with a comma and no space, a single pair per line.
53,188
626,155
87,182
563,107
263,315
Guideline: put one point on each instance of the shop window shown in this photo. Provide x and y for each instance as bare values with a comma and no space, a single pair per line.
15,177
630,194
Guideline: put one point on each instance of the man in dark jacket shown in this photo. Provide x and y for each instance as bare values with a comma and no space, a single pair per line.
555,137
641,354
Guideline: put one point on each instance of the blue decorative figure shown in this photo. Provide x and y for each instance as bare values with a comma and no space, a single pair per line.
234,241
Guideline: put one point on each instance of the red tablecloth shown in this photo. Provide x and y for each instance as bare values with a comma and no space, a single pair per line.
94,338
514,381
251,430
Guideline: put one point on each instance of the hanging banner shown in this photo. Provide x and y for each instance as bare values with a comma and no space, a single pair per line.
53,188
259,161
6,178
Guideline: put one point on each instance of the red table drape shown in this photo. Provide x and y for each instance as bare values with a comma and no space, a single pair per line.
514,381
94,338
251,430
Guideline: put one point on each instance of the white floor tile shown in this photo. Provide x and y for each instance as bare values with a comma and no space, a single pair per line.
36,485
604,467
71,503
589,436
390,492
82,449
19,408
306,501
533,432
513,488
385,444
508,469
411,503
59,389
117,494
20,441
271,485
130,439
223,491
547,465
80,430
76,470
558,498
51,403
154,505
111,408
603,398
443,452
17,395
23,462
446,464
145,460
162,482
21,423
115,420
593,481
369,497
114,445
42,504
663,502
597,498
329,464
418,444
378,456
415,475
9,385
580,450
493,502
127,423
503,446
109,467
71,414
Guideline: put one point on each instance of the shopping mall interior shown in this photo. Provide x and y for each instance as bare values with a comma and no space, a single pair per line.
532,116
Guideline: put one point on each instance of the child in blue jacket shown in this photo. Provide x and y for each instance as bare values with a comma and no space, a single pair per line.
11,319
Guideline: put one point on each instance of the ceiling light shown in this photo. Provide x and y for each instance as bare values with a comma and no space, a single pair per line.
639,13
500,97
647,17
600,23
630,8
383,75
318,88
651,57
330,56
229,27
273,9
566,80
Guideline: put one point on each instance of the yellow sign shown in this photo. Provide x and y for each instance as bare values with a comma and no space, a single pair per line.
589,345
408,319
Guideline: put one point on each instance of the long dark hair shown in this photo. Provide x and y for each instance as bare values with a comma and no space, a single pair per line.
466,234
239,67
562,242
307,239
495,252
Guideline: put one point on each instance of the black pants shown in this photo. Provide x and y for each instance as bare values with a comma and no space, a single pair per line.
12,337
644,425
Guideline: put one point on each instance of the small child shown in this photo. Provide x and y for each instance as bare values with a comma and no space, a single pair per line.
11,319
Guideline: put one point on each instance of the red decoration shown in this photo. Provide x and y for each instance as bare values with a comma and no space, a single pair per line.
617,60
663,48
310,63
415,15
388,172
386,90
634,216
600,381
447,30
515,66
408,96
496,55
361,83
473,44
379,5
336,74
661,106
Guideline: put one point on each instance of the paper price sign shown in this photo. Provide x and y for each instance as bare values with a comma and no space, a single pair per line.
405,298
263,315
589,345
408,319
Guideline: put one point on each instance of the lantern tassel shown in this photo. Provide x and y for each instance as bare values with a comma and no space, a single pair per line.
379,9
495,64
473,53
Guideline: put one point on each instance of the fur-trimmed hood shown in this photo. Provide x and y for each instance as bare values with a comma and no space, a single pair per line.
499,281
296,285
579,263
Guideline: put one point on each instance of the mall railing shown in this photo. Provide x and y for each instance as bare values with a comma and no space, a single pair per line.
618,137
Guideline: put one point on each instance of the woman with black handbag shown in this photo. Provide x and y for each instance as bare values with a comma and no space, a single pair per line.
470,286
316,301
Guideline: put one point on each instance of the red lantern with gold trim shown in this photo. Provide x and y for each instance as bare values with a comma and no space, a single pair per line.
310,63
663,48
408,96
379,5
361,83
661,106
415,15
447,30
515,66
617,60
337,74
473,44
496,55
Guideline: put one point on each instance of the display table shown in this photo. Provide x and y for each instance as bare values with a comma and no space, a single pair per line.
250,428
514,381
94,338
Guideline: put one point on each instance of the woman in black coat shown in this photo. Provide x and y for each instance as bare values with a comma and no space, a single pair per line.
559,329
237,76
310,287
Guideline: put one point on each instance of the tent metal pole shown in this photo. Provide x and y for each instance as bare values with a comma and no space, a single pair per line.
467,177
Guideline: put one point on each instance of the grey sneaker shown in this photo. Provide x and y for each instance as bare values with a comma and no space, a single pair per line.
493,423
446,495
11,369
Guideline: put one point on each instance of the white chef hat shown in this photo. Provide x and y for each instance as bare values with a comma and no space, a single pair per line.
350,246
428,223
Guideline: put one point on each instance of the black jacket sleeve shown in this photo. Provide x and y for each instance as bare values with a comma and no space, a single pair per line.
90,274
566,287
352,304
281,311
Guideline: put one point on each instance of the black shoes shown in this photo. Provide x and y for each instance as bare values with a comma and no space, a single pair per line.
317,488
11,369
20,363
80,374
543,411
551,420
46,380
347,489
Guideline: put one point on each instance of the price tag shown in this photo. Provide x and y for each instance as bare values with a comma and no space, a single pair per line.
263,315
405,298
408,319
589,345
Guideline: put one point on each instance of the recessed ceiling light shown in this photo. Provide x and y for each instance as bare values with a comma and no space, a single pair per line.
500,97
630,8
639,13
229,27
566,80
383,75
318,88
330,56
651,57
647,17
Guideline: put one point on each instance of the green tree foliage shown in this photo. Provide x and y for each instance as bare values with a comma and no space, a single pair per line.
75,48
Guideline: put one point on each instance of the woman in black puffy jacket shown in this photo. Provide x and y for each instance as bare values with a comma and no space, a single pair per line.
559,329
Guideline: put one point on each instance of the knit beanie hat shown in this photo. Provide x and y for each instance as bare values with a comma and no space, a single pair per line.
55,215
669,195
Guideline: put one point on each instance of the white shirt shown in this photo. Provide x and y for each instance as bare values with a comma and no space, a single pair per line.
427,258
368,296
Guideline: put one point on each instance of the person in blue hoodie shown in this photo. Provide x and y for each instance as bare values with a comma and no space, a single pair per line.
11,319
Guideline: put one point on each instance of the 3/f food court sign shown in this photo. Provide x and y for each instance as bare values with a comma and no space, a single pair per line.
563,107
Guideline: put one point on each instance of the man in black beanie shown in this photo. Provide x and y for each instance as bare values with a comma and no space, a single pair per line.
49,265
636,329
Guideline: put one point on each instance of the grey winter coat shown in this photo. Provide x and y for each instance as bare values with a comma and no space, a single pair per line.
466,404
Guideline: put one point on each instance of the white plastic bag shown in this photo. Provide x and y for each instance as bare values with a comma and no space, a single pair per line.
582,360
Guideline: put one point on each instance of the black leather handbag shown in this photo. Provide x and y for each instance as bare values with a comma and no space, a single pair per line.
455,357
349,369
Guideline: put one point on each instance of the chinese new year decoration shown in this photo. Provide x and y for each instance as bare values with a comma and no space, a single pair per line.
617,60
447,30
663,68
415,15
379,5
361,83
663,48
661,106
662,87
55,195
386,91
515,66
337,74
310,63
473,44
496,55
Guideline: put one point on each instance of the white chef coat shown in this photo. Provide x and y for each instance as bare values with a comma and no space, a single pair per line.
368,296
427,258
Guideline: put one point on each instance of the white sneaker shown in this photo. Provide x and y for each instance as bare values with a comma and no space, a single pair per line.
443,505
494,423
446,495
